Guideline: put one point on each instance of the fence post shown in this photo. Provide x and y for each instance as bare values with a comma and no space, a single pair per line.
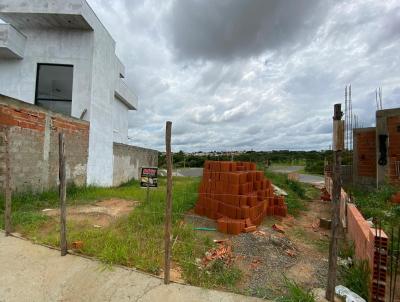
168,206
7,189
337,147
62,194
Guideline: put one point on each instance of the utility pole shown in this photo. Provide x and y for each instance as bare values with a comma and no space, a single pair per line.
337,147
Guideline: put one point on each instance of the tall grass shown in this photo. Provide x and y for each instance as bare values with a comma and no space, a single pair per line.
136,240
298,192
295,293
357,278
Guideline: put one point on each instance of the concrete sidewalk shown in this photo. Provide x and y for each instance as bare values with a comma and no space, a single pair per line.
30,272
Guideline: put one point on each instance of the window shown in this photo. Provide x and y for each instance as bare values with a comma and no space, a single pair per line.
54,87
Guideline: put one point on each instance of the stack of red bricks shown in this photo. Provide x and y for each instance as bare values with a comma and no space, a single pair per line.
237,196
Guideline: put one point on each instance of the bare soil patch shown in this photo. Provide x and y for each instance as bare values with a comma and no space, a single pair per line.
266,256
101,213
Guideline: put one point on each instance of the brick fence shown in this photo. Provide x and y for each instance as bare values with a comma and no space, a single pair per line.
368,244
33,146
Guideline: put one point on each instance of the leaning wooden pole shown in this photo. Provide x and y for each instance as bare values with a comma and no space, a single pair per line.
7,188
337,147
62,195
168,206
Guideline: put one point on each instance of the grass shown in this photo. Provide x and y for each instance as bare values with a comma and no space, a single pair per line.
376,203
136,240
357,278
321,245
298,192
295,293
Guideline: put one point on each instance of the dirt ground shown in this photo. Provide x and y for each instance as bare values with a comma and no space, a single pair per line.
267,257
100,213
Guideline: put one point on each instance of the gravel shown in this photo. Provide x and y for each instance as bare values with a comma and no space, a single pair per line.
267,255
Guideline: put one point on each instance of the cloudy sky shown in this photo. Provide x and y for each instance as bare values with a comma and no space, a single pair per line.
252,74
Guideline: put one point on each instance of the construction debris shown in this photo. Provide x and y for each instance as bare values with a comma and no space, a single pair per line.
325,196
222,252
77,245
395,198
347,294
278,228
325,223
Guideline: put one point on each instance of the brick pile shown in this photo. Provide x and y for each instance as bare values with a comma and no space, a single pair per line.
237,196
372,246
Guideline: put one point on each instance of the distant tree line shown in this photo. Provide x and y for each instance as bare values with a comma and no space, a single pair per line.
312,160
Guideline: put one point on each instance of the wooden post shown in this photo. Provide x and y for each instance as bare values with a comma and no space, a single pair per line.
148,189
337,147
7,189
62,194
168,206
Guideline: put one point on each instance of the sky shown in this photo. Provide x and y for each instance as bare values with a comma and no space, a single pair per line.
252,74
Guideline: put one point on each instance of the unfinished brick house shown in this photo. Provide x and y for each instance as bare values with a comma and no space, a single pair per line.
376,151
59,72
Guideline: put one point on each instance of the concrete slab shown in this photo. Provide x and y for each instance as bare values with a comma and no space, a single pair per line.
32,272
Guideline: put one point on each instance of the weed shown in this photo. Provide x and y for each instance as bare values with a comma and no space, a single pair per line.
321,245
296,294
136,240
296,191
346,249
356,278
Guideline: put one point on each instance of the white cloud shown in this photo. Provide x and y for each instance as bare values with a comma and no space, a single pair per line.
247,94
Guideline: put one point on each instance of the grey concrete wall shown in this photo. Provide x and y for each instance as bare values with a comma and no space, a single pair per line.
129,159
33,146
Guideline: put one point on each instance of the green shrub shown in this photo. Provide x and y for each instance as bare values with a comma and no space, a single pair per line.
314,166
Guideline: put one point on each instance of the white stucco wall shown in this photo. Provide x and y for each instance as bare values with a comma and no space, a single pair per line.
18,77
91,50
120,122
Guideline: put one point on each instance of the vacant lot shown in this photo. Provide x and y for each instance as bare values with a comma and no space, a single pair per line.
120,226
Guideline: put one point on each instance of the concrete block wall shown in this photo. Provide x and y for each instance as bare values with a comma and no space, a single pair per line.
128,160
33,146
369,245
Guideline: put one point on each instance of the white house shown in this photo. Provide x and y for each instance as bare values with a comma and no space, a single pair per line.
57,54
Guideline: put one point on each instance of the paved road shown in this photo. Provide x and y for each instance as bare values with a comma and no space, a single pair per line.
306,178
30,272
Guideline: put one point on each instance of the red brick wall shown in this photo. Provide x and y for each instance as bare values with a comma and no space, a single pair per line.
366,149
393,124
366,240
33,145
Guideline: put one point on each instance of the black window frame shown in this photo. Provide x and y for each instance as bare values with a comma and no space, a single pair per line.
37,82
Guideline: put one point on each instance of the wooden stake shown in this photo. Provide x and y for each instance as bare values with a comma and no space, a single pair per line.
7,189
63,195
336,188
168,206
